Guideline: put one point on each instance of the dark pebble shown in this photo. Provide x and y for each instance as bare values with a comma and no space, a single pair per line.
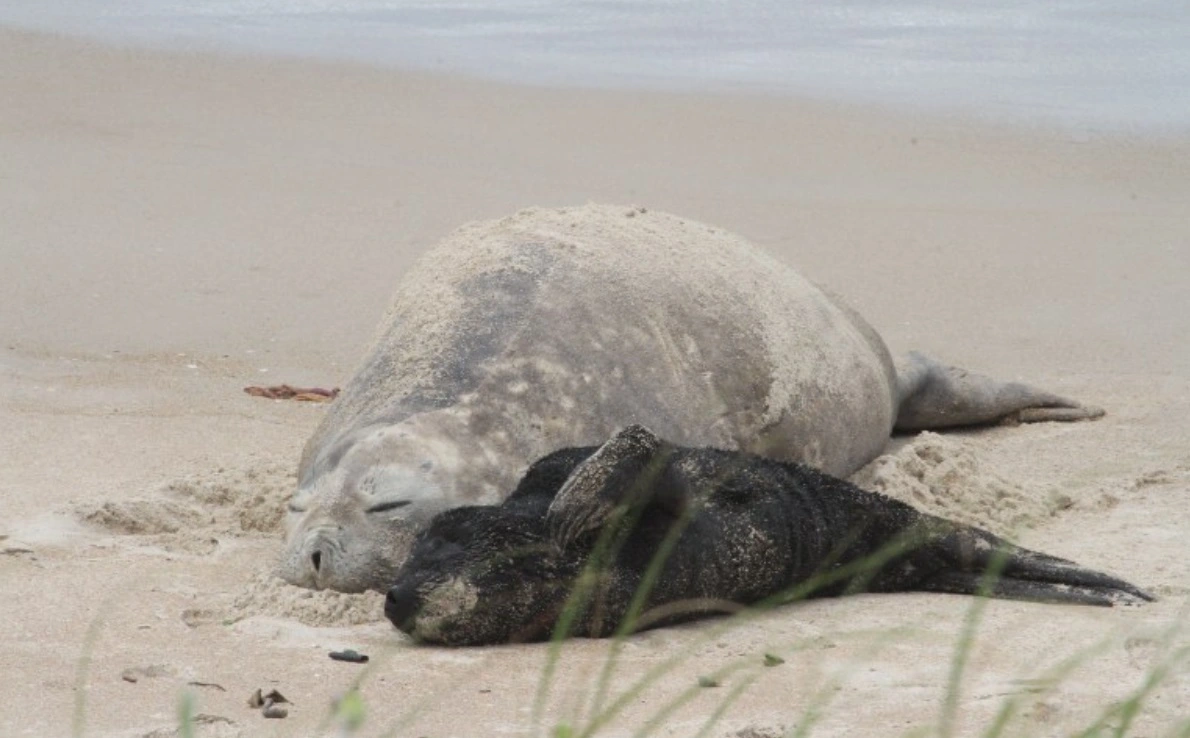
353,656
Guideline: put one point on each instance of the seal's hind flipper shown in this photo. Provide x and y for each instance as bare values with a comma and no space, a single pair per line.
977,557
1050,570
933,395
1069,414
968,583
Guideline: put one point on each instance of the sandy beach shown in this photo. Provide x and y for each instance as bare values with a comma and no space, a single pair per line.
176,227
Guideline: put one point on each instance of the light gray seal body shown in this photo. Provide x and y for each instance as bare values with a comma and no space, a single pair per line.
554,327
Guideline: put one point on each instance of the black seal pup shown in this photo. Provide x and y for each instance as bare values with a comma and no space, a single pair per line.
660,533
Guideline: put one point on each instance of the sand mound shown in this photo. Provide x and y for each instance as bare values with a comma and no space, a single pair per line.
251,500
944,477
189,513
140,517
192,514
268,595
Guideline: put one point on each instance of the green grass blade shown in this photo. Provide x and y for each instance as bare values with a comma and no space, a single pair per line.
83,668
962,652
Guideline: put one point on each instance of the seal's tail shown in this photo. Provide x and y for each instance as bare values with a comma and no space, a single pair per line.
982,563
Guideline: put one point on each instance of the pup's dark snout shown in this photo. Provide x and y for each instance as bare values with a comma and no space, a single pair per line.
402,605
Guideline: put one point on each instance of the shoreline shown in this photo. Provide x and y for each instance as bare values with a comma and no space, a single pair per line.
936,113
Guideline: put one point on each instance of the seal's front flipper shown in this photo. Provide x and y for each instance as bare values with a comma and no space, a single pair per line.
624,470
934,395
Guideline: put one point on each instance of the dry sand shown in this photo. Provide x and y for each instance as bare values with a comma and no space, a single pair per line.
177,227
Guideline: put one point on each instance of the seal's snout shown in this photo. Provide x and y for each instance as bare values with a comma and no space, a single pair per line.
401,606
319,562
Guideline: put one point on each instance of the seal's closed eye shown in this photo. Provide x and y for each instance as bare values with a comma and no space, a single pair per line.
386,506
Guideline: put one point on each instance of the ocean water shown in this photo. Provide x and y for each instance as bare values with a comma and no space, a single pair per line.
1085,64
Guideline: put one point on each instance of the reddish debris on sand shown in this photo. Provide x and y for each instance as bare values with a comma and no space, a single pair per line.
286,392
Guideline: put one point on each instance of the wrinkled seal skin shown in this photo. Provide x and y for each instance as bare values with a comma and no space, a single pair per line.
553,328
747,529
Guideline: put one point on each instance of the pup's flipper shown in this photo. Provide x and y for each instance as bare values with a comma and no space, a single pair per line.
978,561
624,470
967,583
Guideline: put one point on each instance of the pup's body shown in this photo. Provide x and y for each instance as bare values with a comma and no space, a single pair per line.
743,529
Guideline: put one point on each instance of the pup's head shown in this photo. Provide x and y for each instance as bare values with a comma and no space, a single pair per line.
480,575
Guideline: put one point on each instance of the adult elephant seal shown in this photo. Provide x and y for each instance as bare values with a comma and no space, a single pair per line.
553,328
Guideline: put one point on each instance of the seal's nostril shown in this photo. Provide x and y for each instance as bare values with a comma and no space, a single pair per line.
401,606
316,558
